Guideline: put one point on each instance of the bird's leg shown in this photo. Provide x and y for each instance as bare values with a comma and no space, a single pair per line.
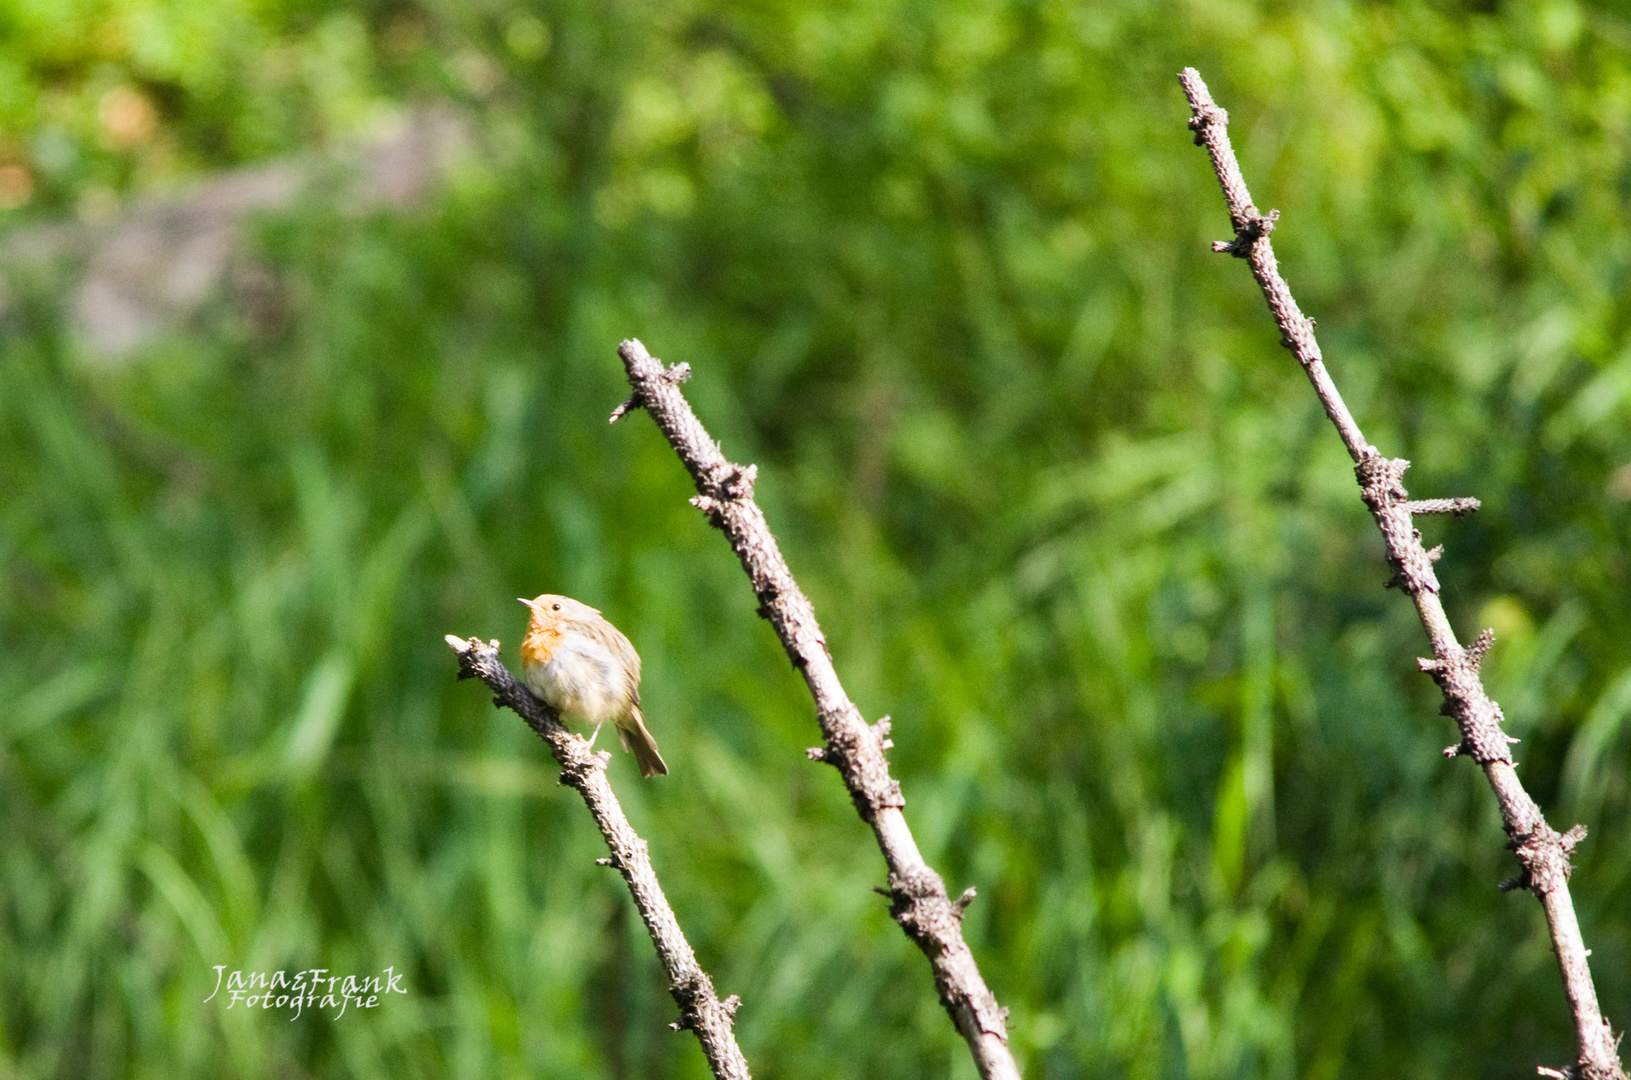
595,734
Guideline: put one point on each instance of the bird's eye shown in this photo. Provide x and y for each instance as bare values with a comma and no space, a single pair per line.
557,607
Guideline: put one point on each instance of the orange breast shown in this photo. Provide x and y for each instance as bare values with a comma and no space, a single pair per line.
540,644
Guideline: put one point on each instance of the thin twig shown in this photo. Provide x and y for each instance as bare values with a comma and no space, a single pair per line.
1542,851
585,771
918,898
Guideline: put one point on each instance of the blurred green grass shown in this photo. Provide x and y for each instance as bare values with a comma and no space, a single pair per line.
1065,509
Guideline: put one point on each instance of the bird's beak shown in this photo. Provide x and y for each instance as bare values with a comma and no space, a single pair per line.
525,601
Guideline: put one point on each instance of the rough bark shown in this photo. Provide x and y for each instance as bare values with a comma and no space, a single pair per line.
584,770
1542,852
918,898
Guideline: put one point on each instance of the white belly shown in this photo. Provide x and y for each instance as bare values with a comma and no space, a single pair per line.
583,679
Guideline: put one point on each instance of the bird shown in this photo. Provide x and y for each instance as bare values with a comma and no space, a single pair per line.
583,667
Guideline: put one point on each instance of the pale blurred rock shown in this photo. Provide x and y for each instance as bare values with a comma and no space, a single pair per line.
155,265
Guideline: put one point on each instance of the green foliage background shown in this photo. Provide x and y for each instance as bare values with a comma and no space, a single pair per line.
1066,510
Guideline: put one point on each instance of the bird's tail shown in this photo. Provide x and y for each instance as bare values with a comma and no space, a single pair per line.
635,738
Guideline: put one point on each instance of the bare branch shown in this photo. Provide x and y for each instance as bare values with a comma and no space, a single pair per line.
918,898
583,770
1542,851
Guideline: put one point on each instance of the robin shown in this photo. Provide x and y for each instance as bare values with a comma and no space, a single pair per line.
582,666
